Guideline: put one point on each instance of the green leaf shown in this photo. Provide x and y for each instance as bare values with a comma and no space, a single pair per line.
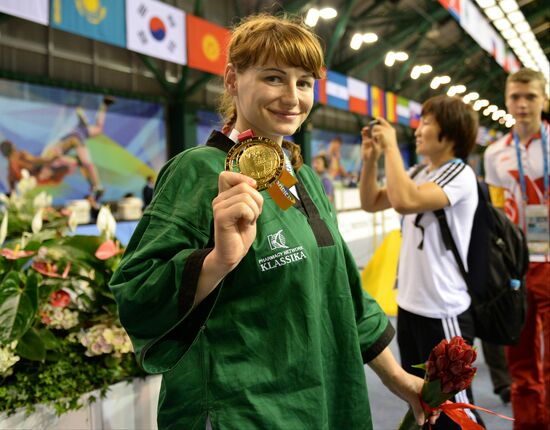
31,288
16,309
48,338
31,346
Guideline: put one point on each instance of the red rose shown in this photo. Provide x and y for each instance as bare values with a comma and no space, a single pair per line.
469,356
455,352
60,299
442,363
456,367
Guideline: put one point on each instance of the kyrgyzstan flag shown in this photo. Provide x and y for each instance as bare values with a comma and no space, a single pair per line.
391,107
206,45
376,102
156,29
358,96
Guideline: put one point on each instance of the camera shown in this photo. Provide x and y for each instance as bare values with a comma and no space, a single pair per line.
371,124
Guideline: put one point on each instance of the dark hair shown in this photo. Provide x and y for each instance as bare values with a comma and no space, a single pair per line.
324,158
458,122
6,147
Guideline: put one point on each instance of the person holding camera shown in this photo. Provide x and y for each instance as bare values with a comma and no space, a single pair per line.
433,300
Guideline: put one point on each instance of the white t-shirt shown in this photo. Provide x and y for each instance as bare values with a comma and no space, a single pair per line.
501,170
429,280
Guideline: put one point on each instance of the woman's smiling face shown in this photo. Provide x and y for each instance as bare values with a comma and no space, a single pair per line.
272,99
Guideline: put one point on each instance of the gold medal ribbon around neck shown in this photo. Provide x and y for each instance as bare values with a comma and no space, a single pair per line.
263,160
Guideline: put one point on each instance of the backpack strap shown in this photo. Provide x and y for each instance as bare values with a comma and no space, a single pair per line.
415,172
450,244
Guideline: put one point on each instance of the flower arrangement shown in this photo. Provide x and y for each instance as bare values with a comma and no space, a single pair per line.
448,371
60,336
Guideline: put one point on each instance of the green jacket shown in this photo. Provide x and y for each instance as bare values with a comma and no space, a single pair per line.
281,343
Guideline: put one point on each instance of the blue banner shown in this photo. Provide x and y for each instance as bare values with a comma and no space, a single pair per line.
102,20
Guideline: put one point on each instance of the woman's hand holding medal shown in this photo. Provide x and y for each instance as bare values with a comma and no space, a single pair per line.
236,210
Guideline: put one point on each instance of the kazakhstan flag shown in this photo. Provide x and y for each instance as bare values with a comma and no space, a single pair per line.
102,20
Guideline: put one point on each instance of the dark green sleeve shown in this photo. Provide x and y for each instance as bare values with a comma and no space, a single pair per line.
374,328
155,284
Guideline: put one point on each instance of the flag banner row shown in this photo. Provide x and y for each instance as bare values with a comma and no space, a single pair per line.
472,20
353,95
149,27
159,30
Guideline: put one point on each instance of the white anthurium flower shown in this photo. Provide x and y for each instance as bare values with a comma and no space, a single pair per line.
111,226
73,221
4,199
101,222
36,224
4,228
42,200
25,237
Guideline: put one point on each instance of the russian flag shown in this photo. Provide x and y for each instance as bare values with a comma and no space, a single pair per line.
320,91
337,90
376,102
358,96
391,107
403,112
415,110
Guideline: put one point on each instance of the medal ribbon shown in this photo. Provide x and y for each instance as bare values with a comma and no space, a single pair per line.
279,190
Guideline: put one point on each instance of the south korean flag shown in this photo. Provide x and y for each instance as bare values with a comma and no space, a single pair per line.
156,29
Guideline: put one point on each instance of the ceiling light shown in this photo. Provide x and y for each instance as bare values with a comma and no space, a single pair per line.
485,3
509,33
520,50
415,72
444,79
508,117
451,92
356,41
515,42
426,68
498,114
516,17
401,56
328,13
434,85
510,123
390,59
508,5
528,36
470,97
522,27
502,24
479,104
312,17
492,108
370,37
460,89
494,13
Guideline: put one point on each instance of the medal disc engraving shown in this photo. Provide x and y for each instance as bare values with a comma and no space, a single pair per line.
257,157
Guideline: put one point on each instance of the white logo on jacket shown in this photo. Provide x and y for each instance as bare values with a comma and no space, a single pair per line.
277,240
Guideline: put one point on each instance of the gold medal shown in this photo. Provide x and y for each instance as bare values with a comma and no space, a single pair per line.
263,160
257,157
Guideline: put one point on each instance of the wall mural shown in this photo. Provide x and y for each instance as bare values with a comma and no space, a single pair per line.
78,143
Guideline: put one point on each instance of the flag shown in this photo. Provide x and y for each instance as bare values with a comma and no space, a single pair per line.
376,101
391,107
453,7
337,90
358,96
403,113
101,20
206,45
31,10
156,29
320,91
415,110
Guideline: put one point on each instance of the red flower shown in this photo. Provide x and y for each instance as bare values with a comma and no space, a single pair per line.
451,361
60,299
50,270
107,250
14,254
